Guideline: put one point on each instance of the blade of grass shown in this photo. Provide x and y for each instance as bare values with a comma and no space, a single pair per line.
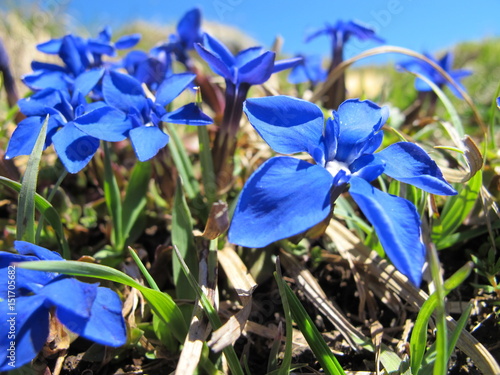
441,363
51,215
49,199
26,206
182,162
135,198
212,315
456,209
318,346
207,165
113,200
418,340
144,271
287,357
161,303
182,236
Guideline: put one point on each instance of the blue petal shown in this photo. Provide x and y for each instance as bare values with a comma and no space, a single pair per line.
188,27
248,55
105,324
37,65
190,114
409,163
24,137
43,103
286,64
127,41
172,86
359,121
43,79
397,225
86,81
26,248
368,167
74,147
284,197
104,123
147,141
100,48
27,281
70,296
258,70
313,34
287,124
220,60
71,56
51,47
31,331
123,92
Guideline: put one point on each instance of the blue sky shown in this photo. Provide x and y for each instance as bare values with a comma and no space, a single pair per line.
425,25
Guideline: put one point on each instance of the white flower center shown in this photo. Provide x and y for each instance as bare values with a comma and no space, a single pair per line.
335,166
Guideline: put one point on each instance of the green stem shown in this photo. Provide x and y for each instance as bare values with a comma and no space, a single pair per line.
113,201
441,364
207,165
49,199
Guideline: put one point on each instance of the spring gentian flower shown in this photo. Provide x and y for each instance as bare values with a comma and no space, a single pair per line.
74,147
308,70
125,94
79,56
88,310
287,196
252,66
340,33
425,69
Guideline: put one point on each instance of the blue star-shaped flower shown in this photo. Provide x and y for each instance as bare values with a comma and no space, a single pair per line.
126,94
88,310
425,69
74,147
79,55
308,70
252,66
287,196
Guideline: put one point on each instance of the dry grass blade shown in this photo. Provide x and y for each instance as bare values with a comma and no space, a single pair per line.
244,284
336,73
199,328
398,284
309,285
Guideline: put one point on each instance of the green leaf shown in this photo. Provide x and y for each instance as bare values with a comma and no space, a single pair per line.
26,205
456,209
135,197
113,201
418,340
182,237
207,165
51,215
182,162
313,337
287,357
213,317
161,303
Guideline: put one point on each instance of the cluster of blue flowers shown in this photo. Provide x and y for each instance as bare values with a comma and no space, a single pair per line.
88,99
88,310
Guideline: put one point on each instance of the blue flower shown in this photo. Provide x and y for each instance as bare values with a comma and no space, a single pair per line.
342,31
252,66
125,94
79,56
308,70
425,69
287,196
74,147
31,297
